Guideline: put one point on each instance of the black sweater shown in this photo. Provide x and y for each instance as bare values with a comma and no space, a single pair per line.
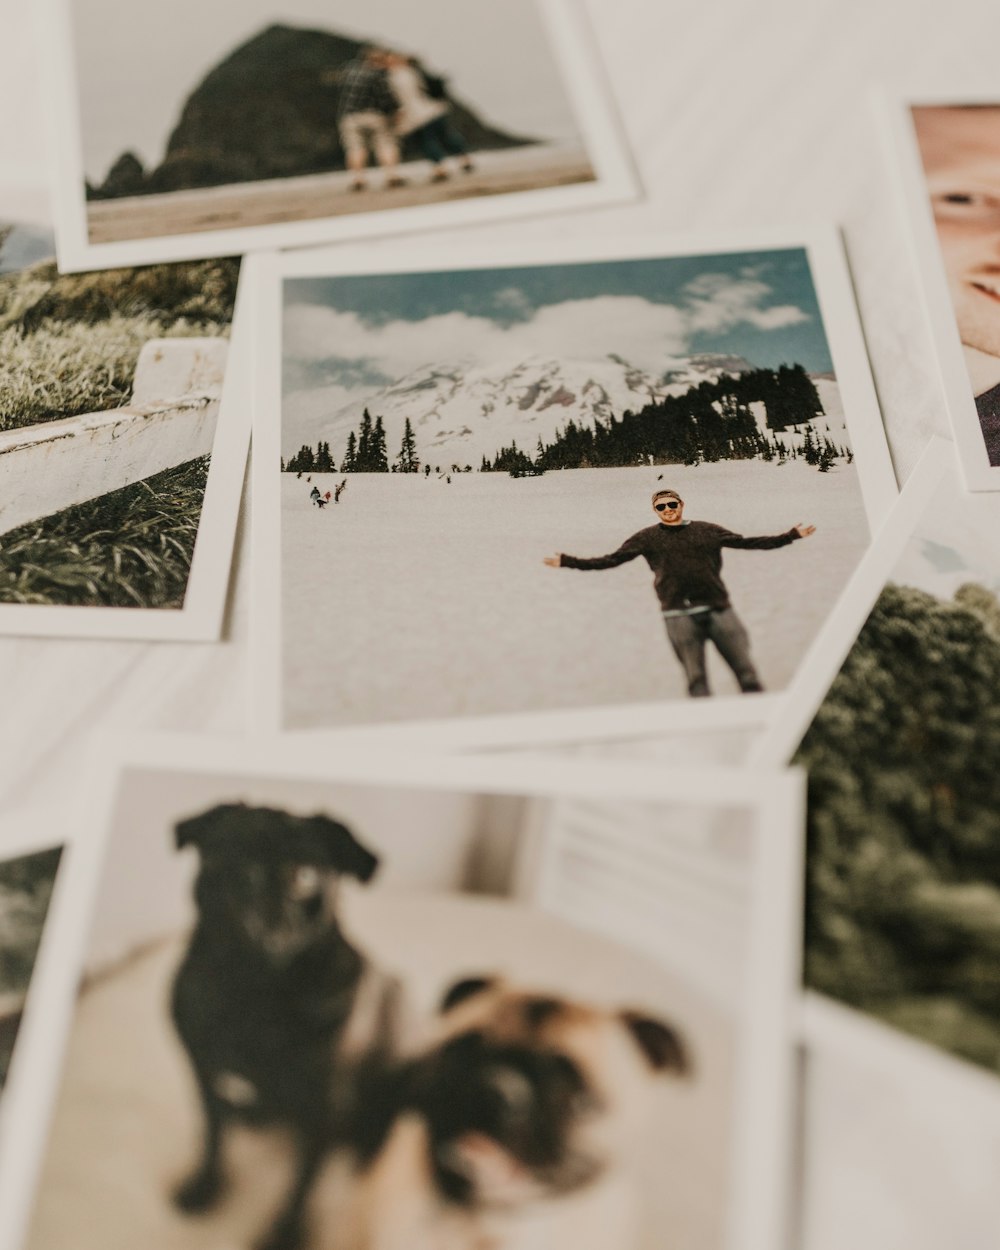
988,407
686,561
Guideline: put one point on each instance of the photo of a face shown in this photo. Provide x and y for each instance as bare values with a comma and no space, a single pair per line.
960,150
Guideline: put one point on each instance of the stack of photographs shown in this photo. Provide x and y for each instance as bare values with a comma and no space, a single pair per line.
398,969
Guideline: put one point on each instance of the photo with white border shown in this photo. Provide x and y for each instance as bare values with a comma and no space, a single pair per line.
123,441
245,120
419,598
539,873
946,151
894,718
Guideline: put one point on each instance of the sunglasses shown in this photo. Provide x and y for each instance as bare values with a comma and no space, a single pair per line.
673,503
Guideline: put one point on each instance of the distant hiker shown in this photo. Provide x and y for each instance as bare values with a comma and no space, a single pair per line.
339,490
686,560
448,479
423,112
327,497
364,117
427,470
315,495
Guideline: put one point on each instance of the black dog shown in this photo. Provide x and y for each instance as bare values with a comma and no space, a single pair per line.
282,1018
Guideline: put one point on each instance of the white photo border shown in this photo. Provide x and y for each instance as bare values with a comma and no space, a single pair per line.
573,45
824,1024
765,1072
200,618
897,124
832,645
842,328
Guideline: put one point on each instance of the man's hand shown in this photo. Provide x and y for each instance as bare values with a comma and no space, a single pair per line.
804,531
554,562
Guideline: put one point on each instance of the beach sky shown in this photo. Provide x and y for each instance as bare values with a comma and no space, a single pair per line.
137,63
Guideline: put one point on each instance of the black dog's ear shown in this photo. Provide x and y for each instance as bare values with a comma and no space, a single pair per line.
193,830
345,852
462,990
660,1044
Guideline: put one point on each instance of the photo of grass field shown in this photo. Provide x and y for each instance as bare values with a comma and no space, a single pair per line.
69,346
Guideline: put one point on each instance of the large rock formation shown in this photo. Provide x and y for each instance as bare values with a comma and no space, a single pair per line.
266,112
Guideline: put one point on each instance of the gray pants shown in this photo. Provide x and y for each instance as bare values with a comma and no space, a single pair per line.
688,635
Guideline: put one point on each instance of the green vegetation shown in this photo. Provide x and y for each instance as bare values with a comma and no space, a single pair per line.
69,342
25,891
131,548
903,892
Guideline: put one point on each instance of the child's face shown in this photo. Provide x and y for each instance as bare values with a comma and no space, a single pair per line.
961,153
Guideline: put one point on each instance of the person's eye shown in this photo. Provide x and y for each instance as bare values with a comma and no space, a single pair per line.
974,201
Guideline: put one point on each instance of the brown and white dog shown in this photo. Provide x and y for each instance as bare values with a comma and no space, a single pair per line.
522,1102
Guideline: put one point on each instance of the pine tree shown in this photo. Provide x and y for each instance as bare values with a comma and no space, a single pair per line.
350,461
407,461
364,455
378,455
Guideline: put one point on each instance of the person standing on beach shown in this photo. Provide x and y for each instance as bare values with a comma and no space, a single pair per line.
425,116
686,560
364,117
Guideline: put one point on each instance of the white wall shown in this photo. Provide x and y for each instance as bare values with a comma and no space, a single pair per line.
427,840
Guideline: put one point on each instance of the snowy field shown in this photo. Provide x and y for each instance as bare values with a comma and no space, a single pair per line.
412,598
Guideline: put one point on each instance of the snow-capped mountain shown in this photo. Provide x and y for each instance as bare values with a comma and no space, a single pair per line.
460,413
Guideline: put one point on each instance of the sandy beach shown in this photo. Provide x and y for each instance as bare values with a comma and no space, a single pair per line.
329,195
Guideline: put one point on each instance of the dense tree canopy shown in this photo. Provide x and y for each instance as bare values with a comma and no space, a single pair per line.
903,902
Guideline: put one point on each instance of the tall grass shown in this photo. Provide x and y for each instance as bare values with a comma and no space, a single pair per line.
67,368
131,548
69,343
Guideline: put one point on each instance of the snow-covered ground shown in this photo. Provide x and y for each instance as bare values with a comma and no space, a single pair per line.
412,598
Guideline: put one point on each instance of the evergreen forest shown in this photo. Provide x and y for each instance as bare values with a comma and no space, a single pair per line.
903,886
712,421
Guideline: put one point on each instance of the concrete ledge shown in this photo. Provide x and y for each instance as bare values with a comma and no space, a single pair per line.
171,419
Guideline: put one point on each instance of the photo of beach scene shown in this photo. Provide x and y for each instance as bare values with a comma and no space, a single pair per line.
482,469
293,110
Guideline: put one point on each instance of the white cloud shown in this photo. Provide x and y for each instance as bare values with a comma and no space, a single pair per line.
645,333
719,302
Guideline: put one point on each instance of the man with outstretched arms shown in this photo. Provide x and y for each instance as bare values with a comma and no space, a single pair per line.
686,560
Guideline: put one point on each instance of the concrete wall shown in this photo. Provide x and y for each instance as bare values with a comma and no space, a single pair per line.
170,420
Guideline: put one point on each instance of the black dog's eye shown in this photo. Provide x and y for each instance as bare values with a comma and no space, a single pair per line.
306,881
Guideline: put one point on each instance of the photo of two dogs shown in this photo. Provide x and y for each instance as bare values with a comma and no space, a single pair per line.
452,1133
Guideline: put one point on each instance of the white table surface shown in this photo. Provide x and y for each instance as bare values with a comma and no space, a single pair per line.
740,113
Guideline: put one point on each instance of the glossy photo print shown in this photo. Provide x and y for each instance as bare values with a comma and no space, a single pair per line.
276,122
949,155
636,480
895,720
415,1003
123,439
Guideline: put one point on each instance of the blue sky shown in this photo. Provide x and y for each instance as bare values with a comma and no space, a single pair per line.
758,305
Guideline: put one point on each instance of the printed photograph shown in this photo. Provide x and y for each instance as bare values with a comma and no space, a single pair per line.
26,882
111,384
904,802
288,111
356,1014
558,486
959,150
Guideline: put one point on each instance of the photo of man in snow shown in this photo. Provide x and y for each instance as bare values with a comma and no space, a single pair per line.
488,417
686,561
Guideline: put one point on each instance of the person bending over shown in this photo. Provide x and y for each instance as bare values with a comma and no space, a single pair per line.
686,560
